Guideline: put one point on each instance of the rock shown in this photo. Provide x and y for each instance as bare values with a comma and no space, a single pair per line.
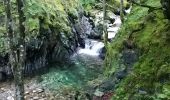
102,53
42,99
34,91
142,92
26,92
39,90
35,98
43,96
117,12
107,85
110,17
129,57
121,74
98,93
107,96
10,98
80,34
94,35
3,76
3,89
25,97
97,32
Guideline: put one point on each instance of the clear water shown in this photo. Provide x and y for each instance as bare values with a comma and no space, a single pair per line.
87,65
84,69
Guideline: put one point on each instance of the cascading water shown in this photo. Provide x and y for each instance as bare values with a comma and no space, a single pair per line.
92,46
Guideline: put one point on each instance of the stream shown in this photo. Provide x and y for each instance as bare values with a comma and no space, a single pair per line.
86,70
86,67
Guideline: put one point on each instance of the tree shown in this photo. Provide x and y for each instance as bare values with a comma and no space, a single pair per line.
17,54
105,34
104,24
21,57
121,11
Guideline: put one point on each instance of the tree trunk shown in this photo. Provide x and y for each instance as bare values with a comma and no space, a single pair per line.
14,61
21,55
105,34
121,11
104,24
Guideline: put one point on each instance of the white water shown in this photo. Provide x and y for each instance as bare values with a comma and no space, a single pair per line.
93,47
113,28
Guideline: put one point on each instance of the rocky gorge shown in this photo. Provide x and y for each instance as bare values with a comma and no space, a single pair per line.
65,51
82,44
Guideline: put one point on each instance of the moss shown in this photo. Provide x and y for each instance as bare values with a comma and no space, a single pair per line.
87,4
117,3
54,13
149,32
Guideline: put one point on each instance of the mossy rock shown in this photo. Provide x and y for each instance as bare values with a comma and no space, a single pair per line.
149,31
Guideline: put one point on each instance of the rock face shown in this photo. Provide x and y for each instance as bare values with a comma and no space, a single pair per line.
166,8
128,59
50,47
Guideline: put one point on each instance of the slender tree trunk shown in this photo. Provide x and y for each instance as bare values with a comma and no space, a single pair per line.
104,24
121,11
21,55
105,33
10,34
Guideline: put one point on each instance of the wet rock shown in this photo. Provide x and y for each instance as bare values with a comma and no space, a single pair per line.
117,12
97,32
110,18
102,53
80,34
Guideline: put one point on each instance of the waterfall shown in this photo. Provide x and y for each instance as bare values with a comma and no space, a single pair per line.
92,47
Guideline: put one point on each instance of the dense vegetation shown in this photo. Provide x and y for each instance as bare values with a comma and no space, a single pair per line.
137,59
146,33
